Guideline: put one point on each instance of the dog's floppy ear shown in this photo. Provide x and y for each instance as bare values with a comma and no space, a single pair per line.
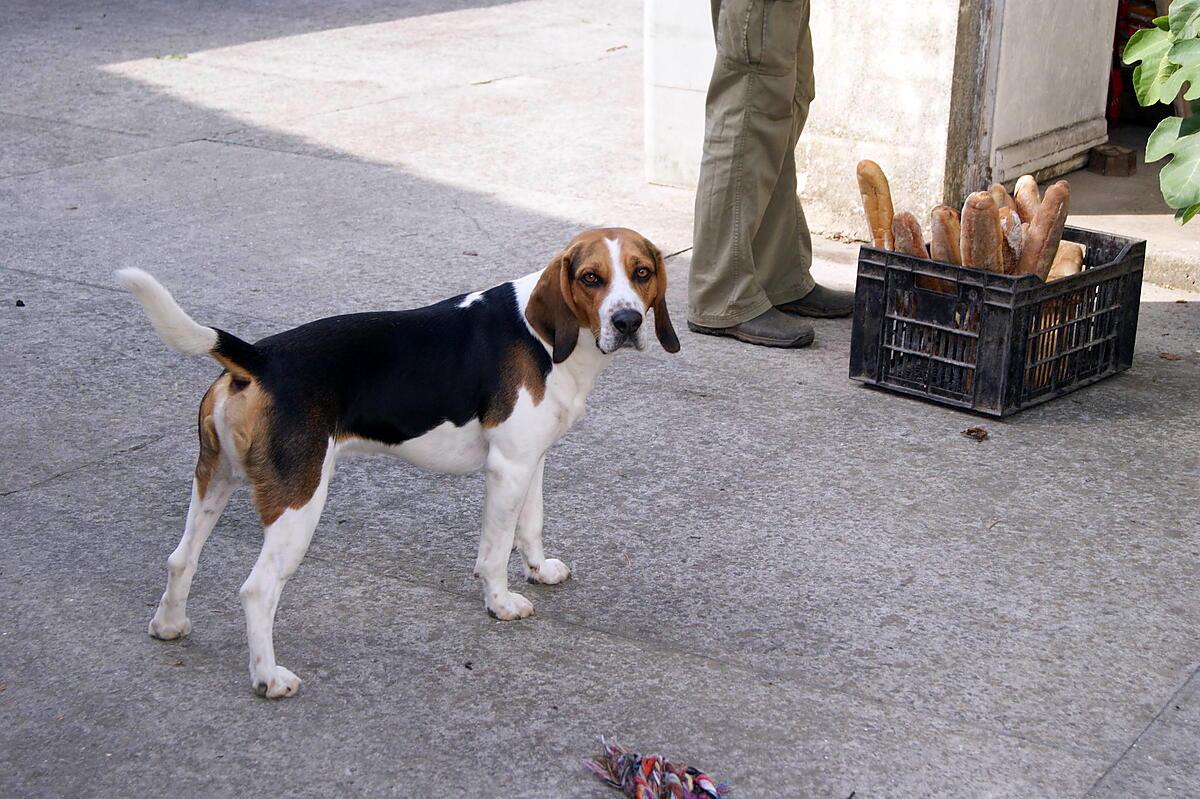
551,309
662,320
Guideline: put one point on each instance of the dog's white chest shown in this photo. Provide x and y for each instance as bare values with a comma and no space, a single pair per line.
576,409
568,393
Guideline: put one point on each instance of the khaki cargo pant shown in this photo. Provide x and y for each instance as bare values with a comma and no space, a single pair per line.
752,247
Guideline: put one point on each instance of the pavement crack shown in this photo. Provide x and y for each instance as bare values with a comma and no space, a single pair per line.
609,53
1171,700
99,160
80,125
772,676
664,647
115,289
496,80
89,464
348,159
391,98
73,281
470,216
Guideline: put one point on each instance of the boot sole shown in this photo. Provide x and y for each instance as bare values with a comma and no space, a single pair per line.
734,333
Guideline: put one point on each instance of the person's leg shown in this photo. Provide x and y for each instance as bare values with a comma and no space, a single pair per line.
748,138
783,246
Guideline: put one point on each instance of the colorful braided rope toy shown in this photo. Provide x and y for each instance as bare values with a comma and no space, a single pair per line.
652,776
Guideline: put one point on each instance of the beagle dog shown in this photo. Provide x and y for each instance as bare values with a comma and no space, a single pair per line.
488,380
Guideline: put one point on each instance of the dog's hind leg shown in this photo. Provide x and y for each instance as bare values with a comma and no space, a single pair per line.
170,620
285,541
211,489
538,568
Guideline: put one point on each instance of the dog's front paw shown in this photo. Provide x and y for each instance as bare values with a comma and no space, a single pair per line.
276,684
509,606
169,630
552,571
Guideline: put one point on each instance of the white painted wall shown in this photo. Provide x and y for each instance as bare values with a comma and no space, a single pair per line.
884,70
1051,83
883,92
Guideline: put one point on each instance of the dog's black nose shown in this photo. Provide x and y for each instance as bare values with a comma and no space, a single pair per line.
627,321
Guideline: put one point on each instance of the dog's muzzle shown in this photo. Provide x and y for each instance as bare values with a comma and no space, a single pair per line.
625,326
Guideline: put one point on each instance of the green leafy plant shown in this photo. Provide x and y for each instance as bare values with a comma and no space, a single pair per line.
1170,58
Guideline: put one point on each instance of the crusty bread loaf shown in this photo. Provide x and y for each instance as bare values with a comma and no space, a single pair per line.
908,236
877,203
1002,197
1045,232
1014,239
910,240
946,242
981,242
1068,261
1027,197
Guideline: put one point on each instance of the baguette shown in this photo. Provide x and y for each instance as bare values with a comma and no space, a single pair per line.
877,203
1027,197
1014,239
946,245
981,242
1002,197
910,240
907,235
1045,232
1067,261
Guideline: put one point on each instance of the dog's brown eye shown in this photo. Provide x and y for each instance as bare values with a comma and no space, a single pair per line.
591,279
641,274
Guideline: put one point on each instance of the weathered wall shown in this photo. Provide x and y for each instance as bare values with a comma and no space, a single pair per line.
946,95
883,92
1051,84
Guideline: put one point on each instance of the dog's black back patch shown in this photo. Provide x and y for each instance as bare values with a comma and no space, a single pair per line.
391,376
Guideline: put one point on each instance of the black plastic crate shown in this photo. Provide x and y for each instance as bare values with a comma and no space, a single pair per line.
995,343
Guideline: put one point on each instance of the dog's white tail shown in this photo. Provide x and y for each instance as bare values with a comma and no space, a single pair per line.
180,332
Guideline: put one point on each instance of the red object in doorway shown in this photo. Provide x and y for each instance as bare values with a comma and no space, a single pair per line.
1116,85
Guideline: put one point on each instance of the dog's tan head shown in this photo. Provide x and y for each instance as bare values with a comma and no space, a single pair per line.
605,281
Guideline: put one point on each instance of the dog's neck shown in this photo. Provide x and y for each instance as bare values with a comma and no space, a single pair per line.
586,362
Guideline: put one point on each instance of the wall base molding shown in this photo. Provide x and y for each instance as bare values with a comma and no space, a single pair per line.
1050,154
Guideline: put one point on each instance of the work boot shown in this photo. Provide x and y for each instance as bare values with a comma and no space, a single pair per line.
772,328
822,303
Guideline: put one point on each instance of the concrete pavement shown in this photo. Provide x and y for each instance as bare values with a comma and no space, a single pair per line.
806,587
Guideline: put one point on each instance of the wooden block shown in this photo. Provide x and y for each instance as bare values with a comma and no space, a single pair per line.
1113,160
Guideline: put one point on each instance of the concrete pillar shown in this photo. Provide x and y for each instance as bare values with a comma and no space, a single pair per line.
679,53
